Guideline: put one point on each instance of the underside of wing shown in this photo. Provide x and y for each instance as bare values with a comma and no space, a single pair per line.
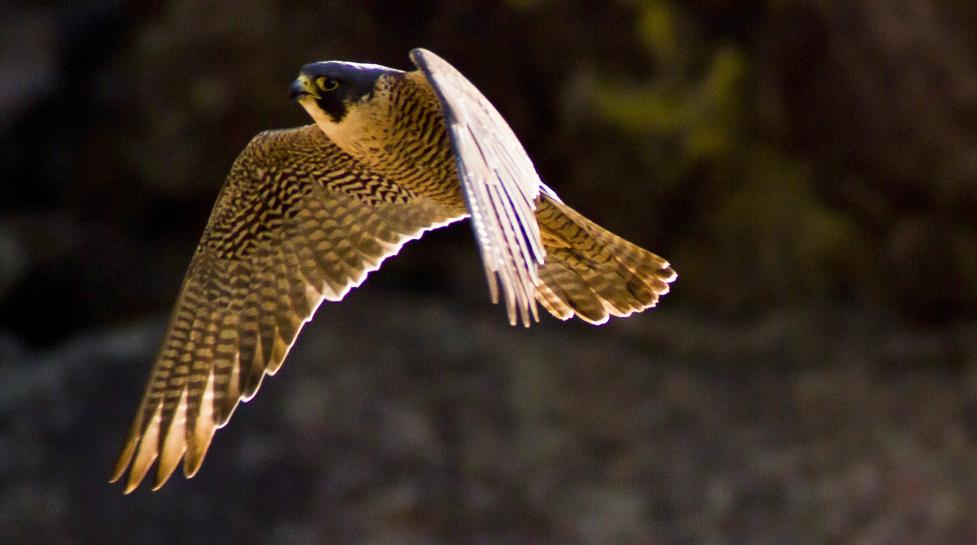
500,186
298,221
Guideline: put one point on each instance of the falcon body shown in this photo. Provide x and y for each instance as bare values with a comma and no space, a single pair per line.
307,213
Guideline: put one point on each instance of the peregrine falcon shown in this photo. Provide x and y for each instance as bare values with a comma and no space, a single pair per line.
306,213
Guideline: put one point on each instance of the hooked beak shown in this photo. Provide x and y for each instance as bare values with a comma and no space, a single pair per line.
301,87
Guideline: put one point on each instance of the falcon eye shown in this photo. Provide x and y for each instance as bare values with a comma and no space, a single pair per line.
326,84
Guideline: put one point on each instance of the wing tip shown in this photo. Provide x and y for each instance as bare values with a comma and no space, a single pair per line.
669,273
125,458
418,54
192,456
193,459
130,487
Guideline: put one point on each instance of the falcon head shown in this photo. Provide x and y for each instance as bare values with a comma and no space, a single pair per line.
332,90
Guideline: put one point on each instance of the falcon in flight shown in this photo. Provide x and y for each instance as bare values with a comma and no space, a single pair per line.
306,213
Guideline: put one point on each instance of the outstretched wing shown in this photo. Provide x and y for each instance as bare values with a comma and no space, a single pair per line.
297,221
500,186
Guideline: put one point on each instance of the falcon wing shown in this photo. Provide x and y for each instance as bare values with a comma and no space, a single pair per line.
500,186
297,221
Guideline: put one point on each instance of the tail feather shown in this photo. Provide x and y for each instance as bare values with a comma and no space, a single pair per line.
592,273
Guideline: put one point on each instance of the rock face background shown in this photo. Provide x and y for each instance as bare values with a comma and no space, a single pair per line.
810,170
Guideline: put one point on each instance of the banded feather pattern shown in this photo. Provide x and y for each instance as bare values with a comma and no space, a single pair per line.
306,213
592,273
298,221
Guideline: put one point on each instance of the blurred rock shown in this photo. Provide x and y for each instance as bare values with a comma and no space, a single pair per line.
382,429
13,260
29,64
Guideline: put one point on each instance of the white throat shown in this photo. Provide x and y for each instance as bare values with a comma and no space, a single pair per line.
359,133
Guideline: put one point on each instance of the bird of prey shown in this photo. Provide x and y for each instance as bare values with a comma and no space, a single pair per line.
306,213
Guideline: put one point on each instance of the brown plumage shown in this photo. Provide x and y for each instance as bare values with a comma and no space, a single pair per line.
307,213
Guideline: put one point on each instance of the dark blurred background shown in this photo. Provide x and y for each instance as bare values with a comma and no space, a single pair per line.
810,169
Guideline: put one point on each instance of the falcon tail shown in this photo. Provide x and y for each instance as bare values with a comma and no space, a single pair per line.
593,273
